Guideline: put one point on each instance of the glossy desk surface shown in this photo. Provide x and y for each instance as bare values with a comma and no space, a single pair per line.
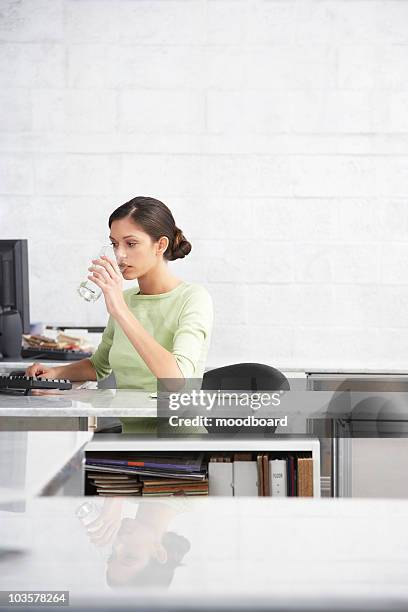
211,551
32,462
80,403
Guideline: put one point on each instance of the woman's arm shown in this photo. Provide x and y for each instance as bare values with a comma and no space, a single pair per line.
159,360
78,371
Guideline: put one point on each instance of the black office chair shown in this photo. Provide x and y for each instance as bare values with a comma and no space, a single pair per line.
244,377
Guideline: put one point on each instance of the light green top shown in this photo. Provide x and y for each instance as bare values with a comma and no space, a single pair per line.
180,320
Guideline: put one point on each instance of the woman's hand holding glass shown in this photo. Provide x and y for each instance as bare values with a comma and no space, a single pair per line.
102,530
107,275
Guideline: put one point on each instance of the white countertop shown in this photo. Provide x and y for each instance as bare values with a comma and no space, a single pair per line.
31,461
298,553
80,403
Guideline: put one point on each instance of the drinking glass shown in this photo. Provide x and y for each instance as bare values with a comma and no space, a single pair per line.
90,290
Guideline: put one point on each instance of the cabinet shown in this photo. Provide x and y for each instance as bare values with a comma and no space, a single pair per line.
364,454
146,444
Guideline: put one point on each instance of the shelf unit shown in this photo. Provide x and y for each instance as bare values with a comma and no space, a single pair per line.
130,443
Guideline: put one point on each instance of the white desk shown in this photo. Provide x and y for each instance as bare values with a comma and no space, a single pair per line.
287,554
80,403
36,463
77,409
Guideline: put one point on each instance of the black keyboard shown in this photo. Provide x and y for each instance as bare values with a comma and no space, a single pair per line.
54,354
25,383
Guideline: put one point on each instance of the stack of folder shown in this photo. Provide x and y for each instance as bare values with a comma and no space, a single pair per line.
176,486
114,484
158,475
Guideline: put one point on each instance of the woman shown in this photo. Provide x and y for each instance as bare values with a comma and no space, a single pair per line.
160,330
145,552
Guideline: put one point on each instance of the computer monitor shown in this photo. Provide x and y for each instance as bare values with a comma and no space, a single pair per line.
14,289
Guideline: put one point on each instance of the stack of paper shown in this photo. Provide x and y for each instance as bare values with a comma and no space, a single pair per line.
147,475
115,484
173,486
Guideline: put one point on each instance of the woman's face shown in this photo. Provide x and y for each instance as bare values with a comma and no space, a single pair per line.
134,547
135,250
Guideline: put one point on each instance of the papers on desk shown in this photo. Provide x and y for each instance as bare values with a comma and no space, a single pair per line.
89,384
61,341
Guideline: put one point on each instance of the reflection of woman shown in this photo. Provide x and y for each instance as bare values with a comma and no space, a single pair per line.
144,552
162,329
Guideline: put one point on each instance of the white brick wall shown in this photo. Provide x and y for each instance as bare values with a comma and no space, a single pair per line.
276,130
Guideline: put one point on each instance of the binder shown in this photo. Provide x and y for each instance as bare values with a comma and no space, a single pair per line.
245,478
220,477
260,470
278,478
265,462
291,476
305,476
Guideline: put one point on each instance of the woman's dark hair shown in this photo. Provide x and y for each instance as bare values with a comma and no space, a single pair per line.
157,574
156,220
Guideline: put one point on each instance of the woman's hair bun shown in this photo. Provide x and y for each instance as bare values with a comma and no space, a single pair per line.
181,247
